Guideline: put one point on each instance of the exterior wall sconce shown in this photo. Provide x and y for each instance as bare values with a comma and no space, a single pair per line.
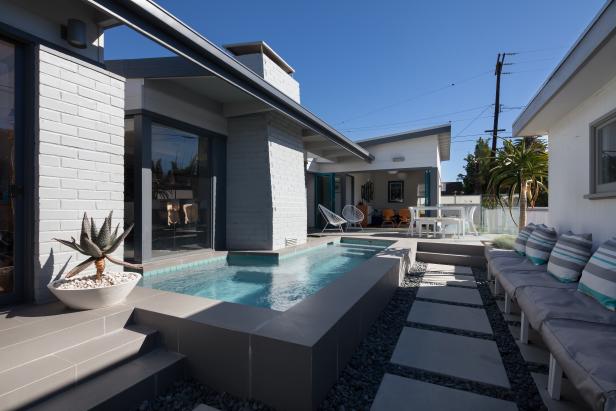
75,33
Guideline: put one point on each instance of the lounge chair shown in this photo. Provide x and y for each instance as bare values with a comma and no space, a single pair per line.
332,219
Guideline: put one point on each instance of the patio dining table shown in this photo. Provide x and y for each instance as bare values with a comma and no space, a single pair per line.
440,208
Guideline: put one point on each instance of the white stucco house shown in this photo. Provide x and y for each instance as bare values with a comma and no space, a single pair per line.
576,108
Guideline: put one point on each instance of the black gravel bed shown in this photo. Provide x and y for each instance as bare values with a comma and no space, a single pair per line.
185,395
432,300
523,387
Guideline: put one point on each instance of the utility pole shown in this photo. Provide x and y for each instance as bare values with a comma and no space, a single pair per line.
500,61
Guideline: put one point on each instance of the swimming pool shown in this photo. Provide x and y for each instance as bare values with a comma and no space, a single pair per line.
264,281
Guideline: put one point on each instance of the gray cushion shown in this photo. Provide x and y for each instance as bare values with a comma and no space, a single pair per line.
492,253
541,304
501,265
513,281
587,354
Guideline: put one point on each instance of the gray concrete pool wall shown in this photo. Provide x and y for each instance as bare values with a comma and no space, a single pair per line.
288,359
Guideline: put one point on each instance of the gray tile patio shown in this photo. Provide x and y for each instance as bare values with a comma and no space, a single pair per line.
449,294
458,356
399,393
450,316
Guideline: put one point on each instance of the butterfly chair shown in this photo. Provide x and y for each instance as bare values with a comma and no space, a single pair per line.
388,217
353,215
332,219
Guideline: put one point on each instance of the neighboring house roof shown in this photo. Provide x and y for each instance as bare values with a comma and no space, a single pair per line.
443,132
254,47
156,23
588,65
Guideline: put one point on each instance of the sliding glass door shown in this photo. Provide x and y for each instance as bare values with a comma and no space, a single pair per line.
11,275
181,191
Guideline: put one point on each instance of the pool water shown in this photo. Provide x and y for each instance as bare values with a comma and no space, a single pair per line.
262,282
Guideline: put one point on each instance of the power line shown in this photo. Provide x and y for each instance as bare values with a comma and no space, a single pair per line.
412,121
450,85
473,120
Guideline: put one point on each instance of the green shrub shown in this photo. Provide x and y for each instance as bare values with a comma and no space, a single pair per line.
504,242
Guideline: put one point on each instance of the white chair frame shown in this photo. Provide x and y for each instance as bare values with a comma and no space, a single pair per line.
332,219
353,215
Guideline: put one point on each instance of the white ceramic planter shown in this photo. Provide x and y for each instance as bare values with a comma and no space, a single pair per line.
91,298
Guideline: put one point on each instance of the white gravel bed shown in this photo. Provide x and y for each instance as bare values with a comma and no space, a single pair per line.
89,281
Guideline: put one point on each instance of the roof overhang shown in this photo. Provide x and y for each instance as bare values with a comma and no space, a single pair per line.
157,24
443,132
587,67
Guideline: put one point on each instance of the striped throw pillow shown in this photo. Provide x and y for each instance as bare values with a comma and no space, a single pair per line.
569,256
599,276
520,242
540,245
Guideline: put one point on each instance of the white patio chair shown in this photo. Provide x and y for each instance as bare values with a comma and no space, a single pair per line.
353,215
469,221
332,219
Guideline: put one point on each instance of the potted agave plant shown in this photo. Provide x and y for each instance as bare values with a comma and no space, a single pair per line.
103,288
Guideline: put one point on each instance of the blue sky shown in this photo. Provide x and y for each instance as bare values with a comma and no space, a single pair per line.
373,68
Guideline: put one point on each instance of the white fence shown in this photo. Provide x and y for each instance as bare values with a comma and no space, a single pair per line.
499,221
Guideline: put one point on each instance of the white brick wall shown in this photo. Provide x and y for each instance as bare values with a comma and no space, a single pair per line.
288,182
79,158
266,193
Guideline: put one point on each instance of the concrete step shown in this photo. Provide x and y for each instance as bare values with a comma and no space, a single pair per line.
451,248
36,331
452,259
123,387
20,386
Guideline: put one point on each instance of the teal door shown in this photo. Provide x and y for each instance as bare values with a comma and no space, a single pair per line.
325,194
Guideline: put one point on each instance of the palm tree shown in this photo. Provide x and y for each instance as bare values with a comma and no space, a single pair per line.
520,168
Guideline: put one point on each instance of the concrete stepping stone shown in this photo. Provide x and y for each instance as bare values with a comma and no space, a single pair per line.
450,279
399,393
458,356
450,294
445,268
450,316
570,399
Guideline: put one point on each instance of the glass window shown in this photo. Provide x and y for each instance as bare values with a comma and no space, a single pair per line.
181,191
606,156
7,166
129,185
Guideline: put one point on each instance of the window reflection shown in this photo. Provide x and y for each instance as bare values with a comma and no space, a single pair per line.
7,166
181,193
607,153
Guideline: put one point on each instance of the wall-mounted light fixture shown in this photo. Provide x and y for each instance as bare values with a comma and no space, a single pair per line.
75,33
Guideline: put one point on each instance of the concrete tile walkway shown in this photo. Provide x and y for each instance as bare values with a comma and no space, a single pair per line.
450,316
399,393
456,351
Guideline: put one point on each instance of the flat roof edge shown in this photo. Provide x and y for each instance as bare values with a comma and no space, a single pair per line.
570,64
156,23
